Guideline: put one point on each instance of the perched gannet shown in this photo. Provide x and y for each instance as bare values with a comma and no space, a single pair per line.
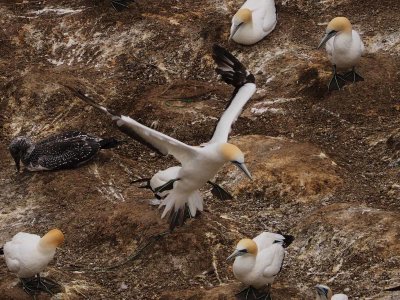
64,150
344,47
258,261
198,164
27,255
325,293
253,21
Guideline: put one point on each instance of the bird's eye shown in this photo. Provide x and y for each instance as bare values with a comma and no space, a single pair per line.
243,250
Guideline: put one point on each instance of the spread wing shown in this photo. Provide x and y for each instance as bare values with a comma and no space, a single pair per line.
234,73
158,142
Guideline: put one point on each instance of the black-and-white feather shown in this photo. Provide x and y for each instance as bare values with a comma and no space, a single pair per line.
60,151
234,73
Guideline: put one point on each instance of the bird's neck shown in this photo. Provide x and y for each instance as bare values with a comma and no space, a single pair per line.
343,40
45,248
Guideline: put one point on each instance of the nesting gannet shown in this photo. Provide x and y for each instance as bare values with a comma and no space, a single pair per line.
325,293
27,255
344,47
253,21
198,163
64,150
258,261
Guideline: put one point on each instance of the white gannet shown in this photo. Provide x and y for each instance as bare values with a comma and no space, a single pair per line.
344,47
199,164
253,21
27,255
325,293
60,151
258,261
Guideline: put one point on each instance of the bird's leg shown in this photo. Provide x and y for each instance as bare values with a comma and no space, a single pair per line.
248,293
219,192
266,295
47,285
337,81
28,286
353,76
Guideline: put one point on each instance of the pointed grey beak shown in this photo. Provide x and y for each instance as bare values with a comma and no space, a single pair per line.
321,291
235,254
243,168
234,31
326,38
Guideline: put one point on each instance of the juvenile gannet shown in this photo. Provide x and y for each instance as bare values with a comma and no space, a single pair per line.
344,47
199,164
253,21
59,151
27,255
258,261
325,293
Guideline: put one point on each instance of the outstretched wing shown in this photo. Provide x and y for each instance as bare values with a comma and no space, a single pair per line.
161,143
234,73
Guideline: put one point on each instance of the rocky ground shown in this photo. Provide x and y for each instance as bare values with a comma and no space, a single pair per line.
326,166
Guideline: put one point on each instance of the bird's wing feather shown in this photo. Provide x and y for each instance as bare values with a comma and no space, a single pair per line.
234,73
61,136
66,153
273,259
155,140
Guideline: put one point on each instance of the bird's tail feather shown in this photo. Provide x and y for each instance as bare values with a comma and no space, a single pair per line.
108,143
1,251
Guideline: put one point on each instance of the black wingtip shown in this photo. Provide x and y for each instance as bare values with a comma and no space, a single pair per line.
219,192
120,5
108,143
1,251
230,68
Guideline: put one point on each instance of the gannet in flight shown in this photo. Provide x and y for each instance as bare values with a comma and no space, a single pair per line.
27,255
199,164
59,151
258,261
325,293
253,21
344,47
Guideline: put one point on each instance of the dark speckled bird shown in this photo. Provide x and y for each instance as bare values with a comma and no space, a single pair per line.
59,151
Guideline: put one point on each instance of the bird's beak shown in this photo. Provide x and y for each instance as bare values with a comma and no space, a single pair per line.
243,168
235,253
234,31
326,38
320,291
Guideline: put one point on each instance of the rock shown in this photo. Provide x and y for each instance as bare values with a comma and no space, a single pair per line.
296,171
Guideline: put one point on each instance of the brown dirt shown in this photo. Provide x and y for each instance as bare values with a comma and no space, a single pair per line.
153,63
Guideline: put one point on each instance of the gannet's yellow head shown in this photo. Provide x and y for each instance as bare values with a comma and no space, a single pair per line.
243,16
338,24
245,246
233,154
323,292
52,239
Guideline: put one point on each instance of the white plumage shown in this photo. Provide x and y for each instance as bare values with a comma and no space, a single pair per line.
28,254
345,49
323,292
258,261
198,164
253,21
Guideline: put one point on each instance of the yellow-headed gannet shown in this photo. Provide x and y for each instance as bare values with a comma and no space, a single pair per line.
325,293
344,47
27,255
258,261
199,164
253,21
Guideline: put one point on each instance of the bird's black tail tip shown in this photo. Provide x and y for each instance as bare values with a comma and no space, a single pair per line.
288,240
178,217
108,143
1,251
